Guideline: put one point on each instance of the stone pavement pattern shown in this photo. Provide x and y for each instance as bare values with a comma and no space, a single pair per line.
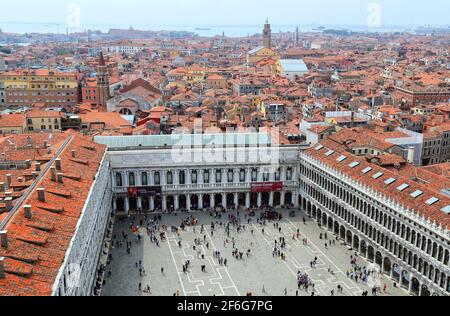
261,273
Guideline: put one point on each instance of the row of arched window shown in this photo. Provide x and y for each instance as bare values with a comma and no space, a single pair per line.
231,176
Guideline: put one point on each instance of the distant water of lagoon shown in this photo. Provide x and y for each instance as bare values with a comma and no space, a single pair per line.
201,30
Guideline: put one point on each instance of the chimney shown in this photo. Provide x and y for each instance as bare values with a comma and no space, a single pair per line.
74,154
41,194
38,167
2,268
28,163
2,187
411,152
60,178
58,164
35,175
3,156
4,239
27,210
53,174
8,203
45,144
8,180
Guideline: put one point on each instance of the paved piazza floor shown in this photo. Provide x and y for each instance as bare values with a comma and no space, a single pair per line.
260,272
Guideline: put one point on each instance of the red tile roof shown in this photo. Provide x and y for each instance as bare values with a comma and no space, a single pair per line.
37,246
404,197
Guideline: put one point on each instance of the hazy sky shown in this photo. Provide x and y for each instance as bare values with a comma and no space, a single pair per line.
105,13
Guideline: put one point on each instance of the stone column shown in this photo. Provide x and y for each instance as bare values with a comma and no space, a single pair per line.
200,176
139,203
212,200
212,176
260,176
224,176
259,199
151,179
127,205
188,202
410,283
115,204
176,202
294,199
164,203
200,201
188,177
271,199
152,203
247,200
282,174
248,175
236,200
283,198
224,200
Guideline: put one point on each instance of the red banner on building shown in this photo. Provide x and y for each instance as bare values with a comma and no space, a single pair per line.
267,187
142,191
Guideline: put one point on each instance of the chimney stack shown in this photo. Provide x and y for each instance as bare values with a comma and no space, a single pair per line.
60,178
45,144
2,187
4,239
8,203
27,210
3,156
41,194
53,174
2,268
28,163
74,154
38,167
411,153
8,180
35,175
58,164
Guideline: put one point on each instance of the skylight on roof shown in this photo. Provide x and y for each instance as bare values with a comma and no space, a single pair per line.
354,164
367,170
403,187
319,147
446,209
329,153
341,158
390,181
416,194
432,201
377,175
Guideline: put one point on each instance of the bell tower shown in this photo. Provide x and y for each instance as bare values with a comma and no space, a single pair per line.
267,35
102,83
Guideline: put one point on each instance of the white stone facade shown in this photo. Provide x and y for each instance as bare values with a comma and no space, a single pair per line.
409,249
78,271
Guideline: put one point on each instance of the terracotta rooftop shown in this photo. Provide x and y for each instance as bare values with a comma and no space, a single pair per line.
401,190
38,246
